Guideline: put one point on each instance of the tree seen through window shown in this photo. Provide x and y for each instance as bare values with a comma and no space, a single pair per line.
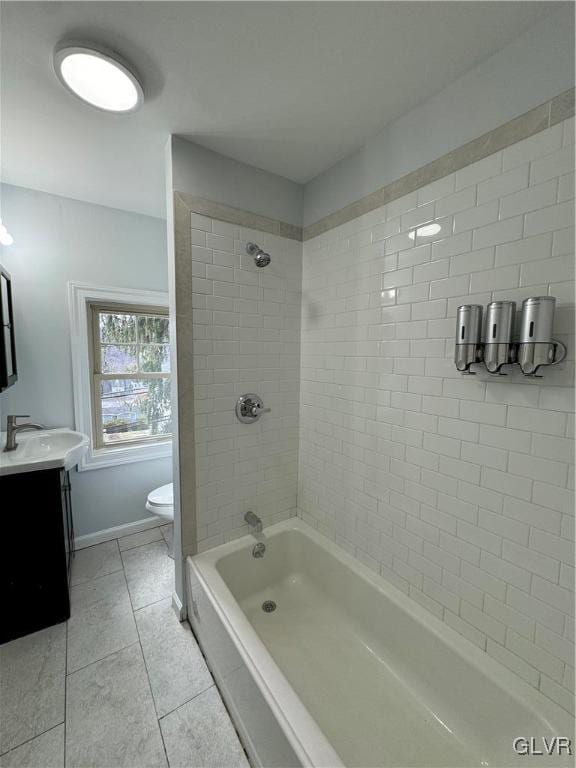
131,375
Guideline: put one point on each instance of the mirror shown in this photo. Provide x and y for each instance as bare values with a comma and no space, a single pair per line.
8,371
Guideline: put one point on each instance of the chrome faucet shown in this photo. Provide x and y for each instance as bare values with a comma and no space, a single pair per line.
12,429
254,522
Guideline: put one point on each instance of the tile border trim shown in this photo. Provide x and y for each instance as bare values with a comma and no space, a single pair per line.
538,119
214,210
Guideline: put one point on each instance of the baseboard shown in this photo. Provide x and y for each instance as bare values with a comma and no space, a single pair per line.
178,607
118,531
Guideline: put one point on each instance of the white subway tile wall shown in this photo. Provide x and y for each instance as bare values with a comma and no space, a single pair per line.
246,327
456,489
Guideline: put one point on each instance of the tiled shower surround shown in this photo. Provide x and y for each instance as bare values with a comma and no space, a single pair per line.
246,325
457,489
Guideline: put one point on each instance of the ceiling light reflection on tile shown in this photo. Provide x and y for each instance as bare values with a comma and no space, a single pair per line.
427,230
388,297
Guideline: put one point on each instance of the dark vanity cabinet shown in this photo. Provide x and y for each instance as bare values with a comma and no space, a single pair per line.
37,551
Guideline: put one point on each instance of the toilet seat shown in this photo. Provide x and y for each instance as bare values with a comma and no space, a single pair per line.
160,501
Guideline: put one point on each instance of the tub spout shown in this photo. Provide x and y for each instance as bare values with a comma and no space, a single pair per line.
254,522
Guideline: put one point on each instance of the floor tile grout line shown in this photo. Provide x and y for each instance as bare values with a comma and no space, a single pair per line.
222,699
162,540
148,605
23,743
220,696
138,642
163,536
118,539
98,544
139,546
96,578
67,672
66,686
126,577
107,656
146,669
102,575
61,722
171,712
159,717
122,568
146,544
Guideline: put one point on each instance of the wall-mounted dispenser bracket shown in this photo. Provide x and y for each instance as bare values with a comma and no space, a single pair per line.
465,356
533,355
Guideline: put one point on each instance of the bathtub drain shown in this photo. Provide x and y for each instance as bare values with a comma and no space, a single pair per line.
268,606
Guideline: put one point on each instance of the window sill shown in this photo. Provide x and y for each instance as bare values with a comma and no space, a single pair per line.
100,458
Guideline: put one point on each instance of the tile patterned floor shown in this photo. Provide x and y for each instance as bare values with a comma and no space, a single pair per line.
122,683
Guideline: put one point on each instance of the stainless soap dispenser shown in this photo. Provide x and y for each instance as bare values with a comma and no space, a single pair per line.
498,347
536,346
468,349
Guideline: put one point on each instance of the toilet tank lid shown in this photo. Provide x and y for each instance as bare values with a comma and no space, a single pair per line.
162,496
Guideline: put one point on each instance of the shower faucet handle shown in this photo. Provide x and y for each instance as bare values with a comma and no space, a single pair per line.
257,409
249,408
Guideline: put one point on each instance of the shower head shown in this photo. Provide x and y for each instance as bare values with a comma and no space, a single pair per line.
261,258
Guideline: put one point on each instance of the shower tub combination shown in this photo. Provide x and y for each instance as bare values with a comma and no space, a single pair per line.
323,663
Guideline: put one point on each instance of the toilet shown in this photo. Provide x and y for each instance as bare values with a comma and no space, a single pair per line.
160,502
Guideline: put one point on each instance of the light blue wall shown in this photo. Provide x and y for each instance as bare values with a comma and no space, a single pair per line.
532,69
57,240
200,171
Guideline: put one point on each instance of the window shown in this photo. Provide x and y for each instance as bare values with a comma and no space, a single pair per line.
130,374
121,373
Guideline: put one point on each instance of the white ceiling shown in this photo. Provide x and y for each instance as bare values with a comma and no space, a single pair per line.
288,87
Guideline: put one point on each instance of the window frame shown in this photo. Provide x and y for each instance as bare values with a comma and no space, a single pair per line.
95,347
83,298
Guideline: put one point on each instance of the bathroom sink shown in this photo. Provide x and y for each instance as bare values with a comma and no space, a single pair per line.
46,449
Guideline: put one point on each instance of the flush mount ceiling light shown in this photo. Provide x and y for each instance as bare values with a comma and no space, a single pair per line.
99,78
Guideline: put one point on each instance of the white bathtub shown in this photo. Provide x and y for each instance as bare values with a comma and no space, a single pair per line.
348,670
